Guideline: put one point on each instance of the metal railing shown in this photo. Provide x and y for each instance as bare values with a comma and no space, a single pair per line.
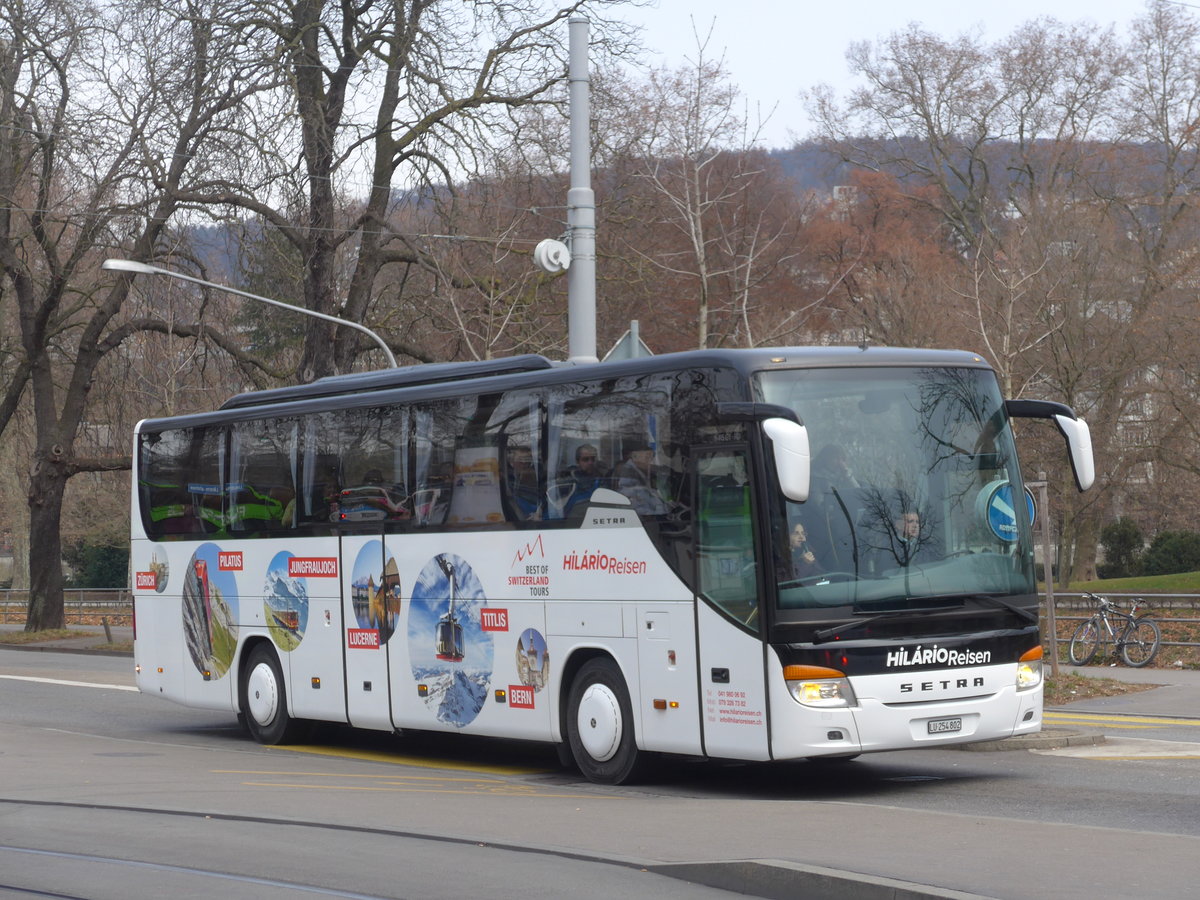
81,606
90,605
1071,609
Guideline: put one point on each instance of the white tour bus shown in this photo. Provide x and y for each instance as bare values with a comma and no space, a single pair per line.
622,558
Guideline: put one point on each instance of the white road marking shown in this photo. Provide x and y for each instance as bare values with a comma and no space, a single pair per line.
89,684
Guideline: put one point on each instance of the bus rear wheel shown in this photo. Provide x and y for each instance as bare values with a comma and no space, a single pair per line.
600,724
264,699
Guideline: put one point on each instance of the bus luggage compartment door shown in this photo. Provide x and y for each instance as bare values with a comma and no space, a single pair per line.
667,670
733,691
371,594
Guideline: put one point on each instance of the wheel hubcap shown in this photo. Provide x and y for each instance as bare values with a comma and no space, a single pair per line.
600,722
262,694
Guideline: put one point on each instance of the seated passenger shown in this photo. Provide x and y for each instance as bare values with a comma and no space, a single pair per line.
804,561
635,478
908,543
584,477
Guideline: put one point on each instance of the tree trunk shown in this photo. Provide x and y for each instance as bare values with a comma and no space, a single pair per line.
46,488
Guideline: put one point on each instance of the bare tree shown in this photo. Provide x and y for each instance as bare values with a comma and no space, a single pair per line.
713,199
1062,166
387,102
104,114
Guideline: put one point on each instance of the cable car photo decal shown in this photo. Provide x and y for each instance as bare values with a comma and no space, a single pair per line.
449,630
450,653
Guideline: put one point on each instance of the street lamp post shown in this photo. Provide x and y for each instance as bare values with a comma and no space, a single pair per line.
139,268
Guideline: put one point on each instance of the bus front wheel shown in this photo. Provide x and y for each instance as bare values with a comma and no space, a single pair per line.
600,724
264,699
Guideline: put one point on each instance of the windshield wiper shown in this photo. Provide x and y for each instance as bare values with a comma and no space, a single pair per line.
996,600
867,618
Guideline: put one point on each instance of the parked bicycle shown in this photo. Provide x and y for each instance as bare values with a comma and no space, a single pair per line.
1136,638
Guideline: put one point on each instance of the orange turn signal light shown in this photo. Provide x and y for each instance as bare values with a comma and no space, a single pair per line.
810,673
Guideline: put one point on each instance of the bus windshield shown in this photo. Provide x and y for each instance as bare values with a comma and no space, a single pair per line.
916,500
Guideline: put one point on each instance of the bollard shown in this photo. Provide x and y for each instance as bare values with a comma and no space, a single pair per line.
107,630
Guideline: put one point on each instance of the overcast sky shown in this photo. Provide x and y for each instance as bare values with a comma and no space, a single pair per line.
775,48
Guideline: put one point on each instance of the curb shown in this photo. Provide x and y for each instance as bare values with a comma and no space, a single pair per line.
1046,739
49,648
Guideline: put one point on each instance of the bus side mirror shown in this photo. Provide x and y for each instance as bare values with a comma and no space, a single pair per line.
1079,446
793,461
1073,428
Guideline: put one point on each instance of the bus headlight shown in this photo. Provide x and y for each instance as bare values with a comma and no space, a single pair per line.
1029,669
818,686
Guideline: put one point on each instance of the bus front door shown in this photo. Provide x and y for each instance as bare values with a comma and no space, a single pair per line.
733,690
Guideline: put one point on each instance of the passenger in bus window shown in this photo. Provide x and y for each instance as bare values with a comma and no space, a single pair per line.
584,477
804,561
909,543
635,478
912,539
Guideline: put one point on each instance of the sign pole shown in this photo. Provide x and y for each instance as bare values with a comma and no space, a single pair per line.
1048,570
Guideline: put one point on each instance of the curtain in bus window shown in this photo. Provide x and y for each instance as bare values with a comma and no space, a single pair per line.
320,485
261,484
438,429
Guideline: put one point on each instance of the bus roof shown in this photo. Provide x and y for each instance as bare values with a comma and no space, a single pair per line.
504,374
382,379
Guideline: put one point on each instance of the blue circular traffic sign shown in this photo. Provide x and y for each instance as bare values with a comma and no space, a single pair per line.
1001,512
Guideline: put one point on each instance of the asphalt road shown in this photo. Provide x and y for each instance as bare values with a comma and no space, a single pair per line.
105,793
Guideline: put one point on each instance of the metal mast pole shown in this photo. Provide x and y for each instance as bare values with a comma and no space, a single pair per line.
581,205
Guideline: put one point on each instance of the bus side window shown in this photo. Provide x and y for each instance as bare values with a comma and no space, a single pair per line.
435,431
512,441
374,464
260,486
166,502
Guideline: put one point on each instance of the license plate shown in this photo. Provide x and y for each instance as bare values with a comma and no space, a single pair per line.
945,726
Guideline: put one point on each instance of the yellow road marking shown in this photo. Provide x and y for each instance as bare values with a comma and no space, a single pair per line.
349,775
1101,717
424,784
498,791
420,762
1135,758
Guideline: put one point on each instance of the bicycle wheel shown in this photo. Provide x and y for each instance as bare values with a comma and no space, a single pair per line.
1142,640
1085,642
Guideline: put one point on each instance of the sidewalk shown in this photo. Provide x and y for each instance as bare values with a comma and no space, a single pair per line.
1178,695
95,642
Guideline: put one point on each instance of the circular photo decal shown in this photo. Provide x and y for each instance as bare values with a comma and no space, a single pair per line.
375,590
285,603
210,612
162,571
451,654
533,659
